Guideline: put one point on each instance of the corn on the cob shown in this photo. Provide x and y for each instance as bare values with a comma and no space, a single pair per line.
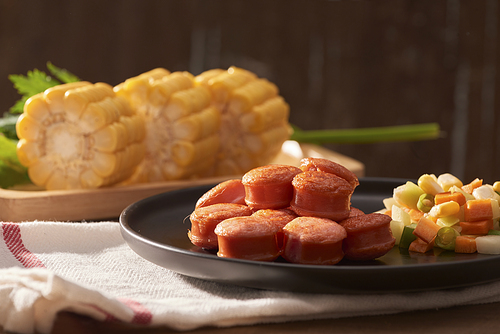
79,135
254,119
181,125
221,122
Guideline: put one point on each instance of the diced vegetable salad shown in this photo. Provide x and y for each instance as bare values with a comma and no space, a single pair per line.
443,212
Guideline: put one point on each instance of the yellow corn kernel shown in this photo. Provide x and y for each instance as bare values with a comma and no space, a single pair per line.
251,94
98,114
54,96
162,89
185,152
37,108
138,88
28,152
496,186
198,125
226,82
257,144
268,114
445,209
86,145
77,99
28,128
186,102
40,170
447,180
205,77
89,179
428,183
110,138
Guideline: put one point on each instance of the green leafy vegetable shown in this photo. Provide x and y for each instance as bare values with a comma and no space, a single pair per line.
33,83
11,171
62,74
8,126
36,82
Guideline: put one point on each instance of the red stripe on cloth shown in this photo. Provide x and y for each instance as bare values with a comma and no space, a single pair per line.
142,315
14,242
108,316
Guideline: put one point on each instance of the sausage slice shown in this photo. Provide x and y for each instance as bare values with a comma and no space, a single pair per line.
320,194
248,238
269,187
205,219
368,236
311,240
230,191
328,166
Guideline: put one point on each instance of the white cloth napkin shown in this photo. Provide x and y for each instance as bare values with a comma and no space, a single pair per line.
87,268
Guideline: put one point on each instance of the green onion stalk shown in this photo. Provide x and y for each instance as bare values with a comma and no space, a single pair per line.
414,132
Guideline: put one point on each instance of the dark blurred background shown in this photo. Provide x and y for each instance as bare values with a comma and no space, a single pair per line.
340,64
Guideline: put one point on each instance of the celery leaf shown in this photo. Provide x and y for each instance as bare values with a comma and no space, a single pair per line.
8,126
28,85
37,81
11,171
62,74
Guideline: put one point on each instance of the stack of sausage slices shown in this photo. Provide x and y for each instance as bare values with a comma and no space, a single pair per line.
303,215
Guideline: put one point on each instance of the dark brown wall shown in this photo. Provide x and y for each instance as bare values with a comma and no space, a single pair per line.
340,64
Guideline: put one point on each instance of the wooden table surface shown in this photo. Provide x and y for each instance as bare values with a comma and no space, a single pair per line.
482,319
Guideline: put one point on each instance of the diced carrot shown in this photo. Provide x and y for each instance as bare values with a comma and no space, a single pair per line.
465,244
468,188
420,246
415,215
477,228
449,196
388,212
434,219
426,229
478,209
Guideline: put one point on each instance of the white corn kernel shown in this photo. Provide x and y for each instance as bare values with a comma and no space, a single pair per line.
447,180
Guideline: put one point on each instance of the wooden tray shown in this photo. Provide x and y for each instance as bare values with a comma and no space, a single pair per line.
108,203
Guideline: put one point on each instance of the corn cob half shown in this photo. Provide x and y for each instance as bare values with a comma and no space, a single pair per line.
181,125
254,119
79,135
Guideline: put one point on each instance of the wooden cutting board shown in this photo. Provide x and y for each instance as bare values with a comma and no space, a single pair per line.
108,203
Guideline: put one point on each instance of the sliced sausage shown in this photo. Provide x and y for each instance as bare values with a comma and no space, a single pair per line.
355,212
269,187
368,236
231,191
311,240
331,167
248,238
279,217
320,194
205,219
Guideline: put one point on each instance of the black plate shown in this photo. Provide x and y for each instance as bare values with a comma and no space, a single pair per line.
156,229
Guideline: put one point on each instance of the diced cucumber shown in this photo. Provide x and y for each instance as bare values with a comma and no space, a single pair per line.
400,215
397,230
407,236
447,221
389,202
408,194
